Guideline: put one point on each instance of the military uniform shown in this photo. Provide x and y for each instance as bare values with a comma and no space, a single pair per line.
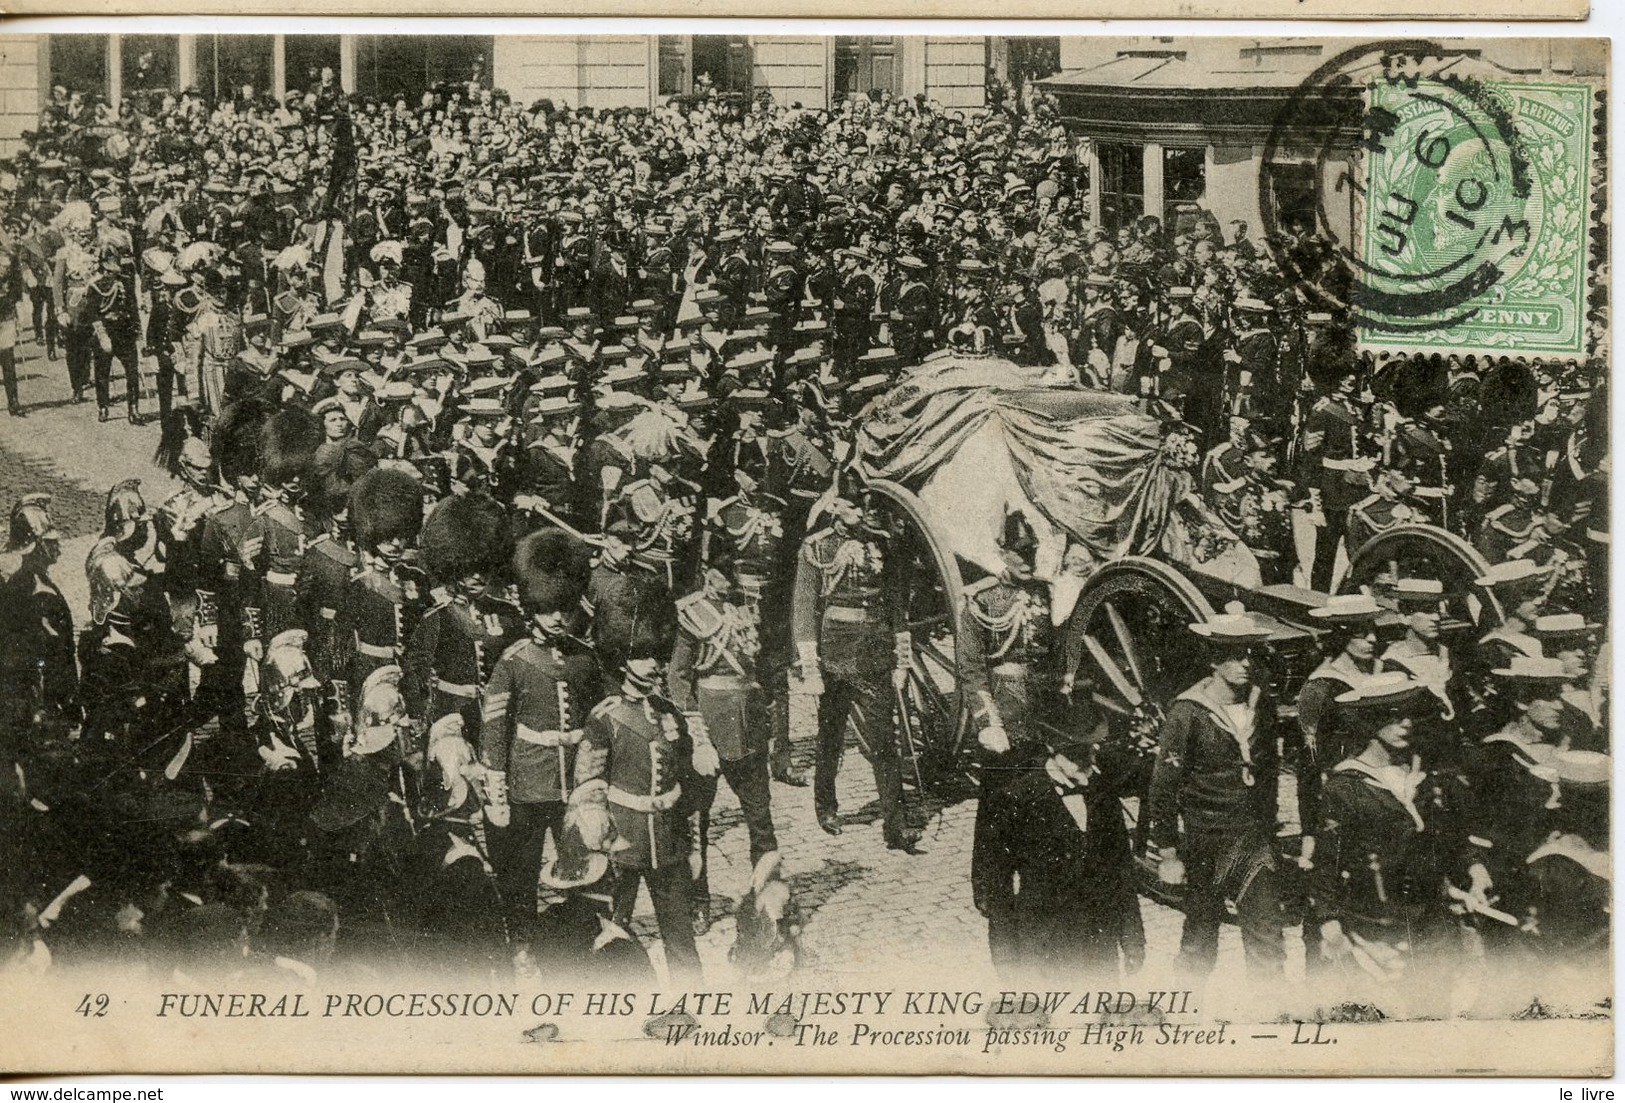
452,654
639,750
384,602
623,595
714,672
38,675
1511,530
273,549
1331,436
844,623
854,299
117,331
532,716
1374,515
325,574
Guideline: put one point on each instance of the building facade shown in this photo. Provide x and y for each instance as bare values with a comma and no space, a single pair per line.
600,71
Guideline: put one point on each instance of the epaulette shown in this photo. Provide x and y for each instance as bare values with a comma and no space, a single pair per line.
1498,511
1366,501
698,616
977,587
514,648
604,707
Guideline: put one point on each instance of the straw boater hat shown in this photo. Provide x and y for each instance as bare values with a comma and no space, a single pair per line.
1522,668
1390,694
1235,628
1348,609
1562,626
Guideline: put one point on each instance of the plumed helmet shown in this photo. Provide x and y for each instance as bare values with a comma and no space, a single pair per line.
1018,536
31,522
381,704
385,504
110,574
334,470
287,445
287,663
236,439
551,570
462,536
125,509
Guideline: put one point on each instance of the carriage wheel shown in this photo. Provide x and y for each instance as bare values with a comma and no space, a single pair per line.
1136,653
1423,551
931,733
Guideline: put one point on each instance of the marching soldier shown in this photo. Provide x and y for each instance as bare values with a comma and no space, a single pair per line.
714,673
116,331
1216,774
457,644
1337,471
854,299
639,758
535,708
847,648
389,595
38,676
275,541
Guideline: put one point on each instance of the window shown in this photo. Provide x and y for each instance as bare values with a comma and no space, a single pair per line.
391,66
1033,59
1184,182
79,62
150,61
1122,182
227,63
866,63
723,61
1292,196
305,56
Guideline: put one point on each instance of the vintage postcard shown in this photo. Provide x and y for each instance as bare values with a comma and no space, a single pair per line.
868,554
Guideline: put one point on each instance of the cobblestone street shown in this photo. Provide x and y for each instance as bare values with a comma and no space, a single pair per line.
868,910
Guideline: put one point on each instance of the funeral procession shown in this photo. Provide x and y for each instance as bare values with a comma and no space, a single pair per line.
674,510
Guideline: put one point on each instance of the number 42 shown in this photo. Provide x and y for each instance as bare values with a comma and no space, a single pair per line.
93,1007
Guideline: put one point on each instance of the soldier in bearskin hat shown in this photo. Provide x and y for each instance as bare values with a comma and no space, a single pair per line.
464,550
535,706
275,540
385,601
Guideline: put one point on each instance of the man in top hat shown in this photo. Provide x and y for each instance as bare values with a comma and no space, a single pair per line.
1052,870
848,645
38,676
389,595
463,549
715,673
639,758
532,715
1217,773
116,330
1389,834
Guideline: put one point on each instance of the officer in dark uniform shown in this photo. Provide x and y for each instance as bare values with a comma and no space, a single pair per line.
534,709
463,549
782,288
38,676
854,299
848,647
623,593
389,595
714,674
1387,505
1514,529
116,332
913,312
1337,469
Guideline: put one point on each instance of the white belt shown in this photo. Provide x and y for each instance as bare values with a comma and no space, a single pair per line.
456,690
547,738
373,651
282,578
648,805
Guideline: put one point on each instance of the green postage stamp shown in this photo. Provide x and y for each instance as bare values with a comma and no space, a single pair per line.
1477,216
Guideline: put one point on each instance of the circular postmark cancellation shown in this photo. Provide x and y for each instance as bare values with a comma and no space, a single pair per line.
1415,200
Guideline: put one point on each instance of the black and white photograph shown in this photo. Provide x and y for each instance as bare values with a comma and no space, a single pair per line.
943,553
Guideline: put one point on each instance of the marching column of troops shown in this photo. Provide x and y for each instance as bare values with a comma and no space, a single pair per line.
510,438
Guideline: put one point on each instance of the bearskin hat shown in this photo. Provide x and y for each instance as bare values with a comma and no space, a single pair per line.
464,535
385,504
1420,384
334,470
551,570
1509,395
236,439
651,638
287,444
